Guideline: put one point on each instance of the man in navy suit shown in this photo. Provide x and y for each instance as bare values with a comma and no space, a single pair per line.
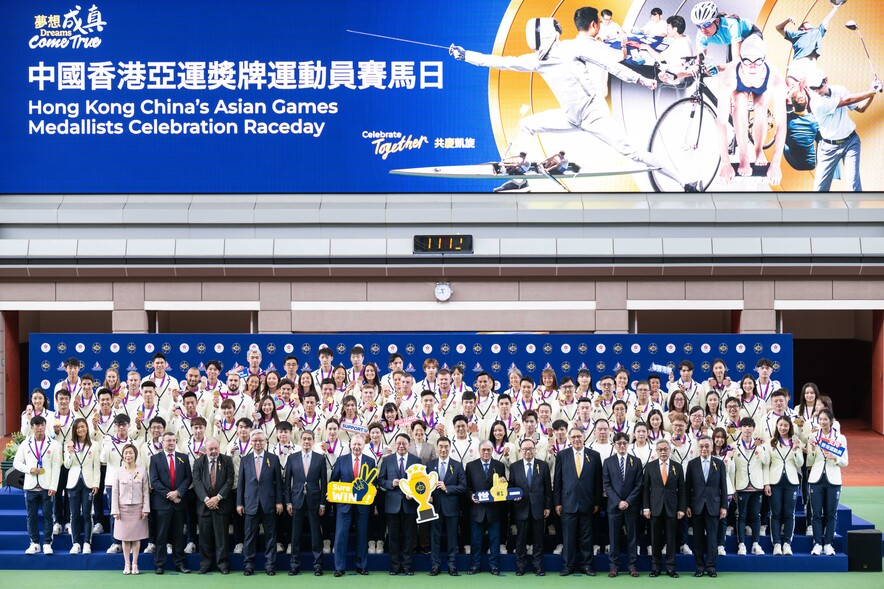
446,499
664,503
533,478
347,469
401,512
170,478
577,491
622,480
259,496
706,491
304,487
485,516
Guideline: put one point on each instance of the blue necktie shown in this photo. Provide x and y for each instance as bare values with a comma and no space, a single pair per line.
485,466
529,474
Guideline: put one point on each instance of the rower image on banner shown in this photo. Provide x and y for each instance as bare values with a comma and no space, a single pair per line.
197,97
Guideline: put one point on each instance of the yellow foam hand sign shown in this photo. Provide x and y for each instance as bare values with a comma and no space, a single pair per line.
499,488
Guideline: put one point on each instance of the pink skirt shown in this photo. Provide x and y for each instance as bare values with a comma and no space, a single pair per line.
130,526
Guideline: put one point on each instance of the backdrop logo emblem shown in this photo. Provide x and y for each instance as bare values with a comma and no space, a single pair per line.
600,348
775,348
115,365
271,348
495,348
566,367
184,366
582,348
201,348
688,348
635,348
758,348
600,366
652,348
341,348
705,348
219,347
288,348
375,349
427,349
460,348
618,348
722,348
740,348
71,30
184,347
167,347
96,348
636,366
670,348
705,366
131,347
45,347
445,348
114,347
236,348
80,347
512,348
409,349
477,348
566,348
530,348
547,348
741,366
776,366
149,348
45,365
495,366
305,348
531,366
45,383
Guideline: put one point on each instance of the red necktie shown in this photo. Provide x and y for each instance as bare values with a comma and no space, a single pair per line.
355,468
172,471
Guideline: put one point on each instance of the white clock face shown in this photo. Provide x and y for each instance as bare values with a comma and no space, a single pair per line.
443,292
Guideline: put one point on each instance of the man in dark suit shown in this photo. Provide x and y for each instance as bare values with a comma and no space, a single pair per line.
213,486
170,478
706,491
622,480
533,478
577,491
304,491
485,516
664,503
347,469
401,512
259,497
446,499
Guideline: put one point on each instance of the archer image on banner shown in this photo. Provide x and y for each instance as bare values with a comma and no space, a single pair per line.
420,486
359,492
499,491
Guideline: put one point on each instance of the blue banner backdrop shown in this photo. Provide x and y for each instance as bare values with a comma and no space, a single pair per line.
495,353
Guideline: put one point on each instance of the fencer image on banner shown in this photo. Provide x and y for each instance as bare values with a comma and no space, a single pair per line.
391,96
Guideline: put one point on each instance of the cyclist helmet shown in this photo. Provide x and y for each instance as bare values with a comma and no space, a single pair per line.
704,12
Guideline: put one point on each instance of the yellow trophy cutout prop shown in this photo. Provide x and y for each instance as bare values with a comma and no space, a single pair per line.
499,491
359,492
420,486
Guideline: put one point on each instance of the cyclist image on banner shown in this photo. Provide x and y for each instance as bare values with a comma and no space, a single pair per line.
719,28
752,78
569,68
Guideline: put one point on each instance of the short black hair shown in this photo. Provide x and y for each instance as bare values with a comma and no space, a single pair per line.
656,11
677,23
216,363
584,17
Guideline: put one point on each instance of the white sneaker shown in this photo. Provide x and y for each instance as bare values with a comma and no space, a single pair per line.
741,549
756,549
558,549
151,547
685,549
808,531
56,530
191,548
326,547
466,549
372,547
288,549
238,548
763,531
97,529
747,531
87,548
503,548
729,531
777,550
380,547
47,549
34,548
829,550
721,551
67,528
787,550
280,547
816,550
75,549
115,549
168,549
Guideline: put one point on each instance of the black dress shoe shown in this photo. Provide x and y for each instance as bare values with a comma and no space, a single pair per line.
453,572
159,570
564,572
225,571
248,572
672,574
409,573
339,573
589,572
613,573
654,573
361,571
271,573
317,572
495,572
202,571
539,573
394,573
712,573
633,572
520,572
698,574
183,570
472,571
434,571
294,572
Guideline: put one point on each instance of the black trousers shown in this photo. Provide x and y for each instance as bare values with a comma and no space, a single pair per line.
617,520
170,530
213,540
312,517
401,527
577,538
251,540
664,527
705,526
529,531
448,525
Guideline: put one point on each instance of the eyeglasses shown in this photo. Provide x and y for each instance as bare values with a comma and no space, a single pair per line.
823,83
747,61
706,25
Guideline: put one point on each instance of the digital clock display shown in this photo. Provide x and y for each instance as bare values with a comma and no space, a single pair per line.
443,244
